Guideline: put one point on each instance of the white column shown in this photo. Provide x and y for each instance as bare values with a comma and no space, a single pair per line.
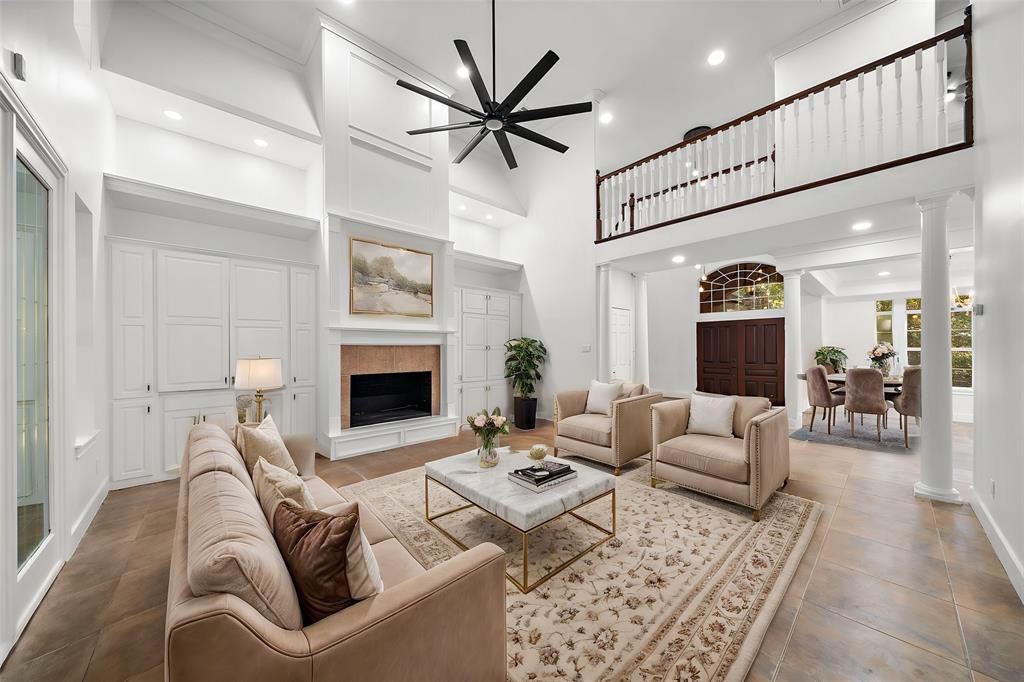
936,359
604,277
642,362
794,351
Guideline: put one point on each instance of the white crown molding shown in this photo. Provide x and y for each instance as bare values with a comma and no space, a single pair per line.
474,261
376,49
29,127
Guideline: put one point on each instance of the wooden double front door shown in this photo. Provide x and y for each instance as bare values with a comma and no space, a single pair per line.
743,357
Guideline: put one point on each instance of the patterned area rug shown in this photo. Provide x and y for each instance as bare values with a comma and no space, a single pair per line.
685,591
865,436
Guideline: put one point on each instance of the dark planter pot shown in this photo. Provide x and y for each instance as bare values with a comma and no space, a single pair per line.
526,413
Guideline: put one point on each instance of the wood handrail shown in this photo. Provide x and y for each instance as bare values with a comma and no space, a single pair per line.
962,30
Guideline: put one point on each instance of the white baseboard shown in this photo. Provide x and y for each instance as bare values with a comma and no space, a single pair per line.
1011,562
84,519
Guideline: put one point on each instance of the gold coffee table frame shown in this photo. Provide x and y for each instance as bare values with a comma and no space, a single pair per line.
525,585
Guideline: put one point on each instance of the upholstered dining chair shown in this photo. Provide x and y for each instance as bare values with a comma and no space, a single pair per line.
865,394
819,394
908,402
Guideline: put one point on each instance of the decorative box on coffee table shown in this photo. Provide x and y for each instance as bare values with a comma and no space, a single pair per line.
523,511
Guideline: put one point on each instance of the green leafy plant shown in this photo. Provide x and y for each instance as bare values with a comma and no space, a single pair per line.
523,359
833,355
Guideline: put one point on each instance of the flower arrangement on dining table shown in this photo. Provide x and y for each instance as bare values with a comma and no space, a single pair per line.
881,355
487,428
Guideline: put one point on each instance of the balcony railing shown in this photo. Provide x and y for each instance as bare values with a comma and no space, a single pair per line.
908,106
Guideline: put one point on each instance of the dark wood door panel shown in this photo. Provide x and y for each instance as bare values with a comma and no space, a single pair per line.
742,357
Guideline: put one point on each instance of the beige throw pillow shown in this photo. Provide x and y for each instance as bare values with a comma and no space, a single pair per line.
711,416
265,441
274,485
601,396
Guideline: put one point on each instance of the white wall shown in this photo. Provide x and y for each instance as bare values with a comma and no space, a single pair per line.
672,309
473,237
999,224
483,176
193,165
886,30
553,244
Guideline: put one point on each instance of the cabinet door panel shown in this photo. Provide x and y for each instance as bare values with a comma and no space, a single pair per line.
192,321
499,396
474,399
254,342
303,296
497,335
497,304
303,418
474,301
303,356
474,364
474,330
224,416
259,293
133,440
177,424
132,318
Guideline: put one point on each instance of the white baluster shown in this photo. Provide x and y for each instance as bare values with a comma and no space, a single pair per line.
941,126
730,186
861,139
782,153
812,160
829,165
918,65
798,174
845,162
602,202
677,199
757,155
620,200
720,141
770,149
741,173
662,189
880,145
898,71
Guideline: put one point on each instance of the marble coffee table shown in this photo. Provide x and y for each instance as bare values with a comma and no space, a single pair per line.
522,510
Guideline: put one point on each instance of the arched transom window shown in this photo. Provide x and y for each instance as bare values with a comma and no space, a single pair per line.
741,286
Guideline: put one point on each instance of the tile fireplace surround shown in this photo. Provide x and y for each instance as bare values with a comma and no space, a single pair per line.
356,360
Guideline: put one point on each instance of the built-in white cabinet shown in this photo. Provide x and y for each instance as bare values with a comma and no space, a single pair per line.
303,326
488,319
303,410
131,312
183,411
193,321
259,313
135,438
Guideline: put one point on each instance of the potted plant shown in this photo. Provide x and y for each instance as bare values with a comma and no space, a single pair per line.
487,428
832,355
523,358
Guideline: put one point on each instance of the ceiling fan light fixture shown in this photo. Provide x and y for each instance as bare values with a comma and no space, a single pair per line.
462,71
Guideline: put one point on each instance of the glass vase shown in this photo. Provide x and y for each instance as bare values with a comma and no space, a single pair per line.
488,452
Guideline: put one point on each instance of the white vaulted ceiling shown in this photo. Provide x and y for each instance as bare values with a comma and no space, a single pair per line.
649,57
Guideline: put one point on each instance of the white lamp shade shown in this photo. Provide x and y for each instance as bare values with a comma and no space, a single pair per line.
258,373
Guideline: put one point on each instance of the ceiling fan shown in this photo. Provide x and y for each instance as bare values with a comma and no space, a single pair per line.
500,118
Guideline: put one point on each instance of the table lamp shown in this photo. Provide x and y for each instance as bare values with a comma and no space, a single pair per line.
258,374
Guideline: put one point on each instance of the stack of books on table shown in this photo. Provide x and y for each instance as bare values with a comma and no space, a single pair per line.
542,476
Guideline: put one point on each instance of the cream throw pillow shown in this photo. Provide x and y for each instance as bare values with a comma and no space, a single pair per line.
601,396
274,485
264,441
711,416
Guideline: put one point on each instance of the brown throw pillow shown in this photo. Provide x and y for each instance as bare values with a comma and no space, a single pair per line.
328,558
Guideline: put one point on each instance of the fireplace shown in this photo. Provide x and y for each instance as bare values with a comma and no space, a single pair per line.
384,384
380,398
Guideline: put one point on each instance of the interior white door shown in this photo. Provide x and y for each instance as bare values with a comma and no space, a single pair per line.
134,439
131,289
474,347
497,335
621,344
192,321
303,418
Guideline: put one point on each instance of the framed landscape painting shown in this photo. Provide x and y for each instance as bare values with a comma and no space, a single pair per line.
386,279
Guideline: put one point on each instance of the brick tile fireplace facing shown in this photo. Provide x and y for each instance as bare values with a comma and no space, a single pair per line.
359,359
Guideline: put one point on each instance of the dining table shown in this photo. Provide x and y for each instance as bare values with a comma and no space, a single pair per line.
893,385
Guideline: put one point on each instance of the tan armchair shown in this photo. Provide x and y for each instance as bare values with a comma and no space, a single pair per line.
611,439
745,469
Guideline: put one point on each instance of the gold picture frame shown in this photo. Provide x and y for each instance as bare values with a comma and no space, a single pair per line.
383,287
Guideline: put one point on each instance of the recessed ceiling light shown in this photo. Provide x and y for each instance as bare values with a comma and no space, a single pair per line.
489,216
606,117
678,259
260,142
697,266
716,57
173,115
861,226
462,72
695,173
462,207
884,273
346,2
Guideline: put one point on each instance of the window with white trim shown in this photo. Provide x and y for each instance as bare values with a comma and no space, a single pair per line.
961,317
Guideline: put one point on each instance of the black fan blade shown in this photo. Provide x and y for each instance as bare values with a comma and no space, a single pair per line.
474,74
506,149
477,139
440,98
450,126
528,134
550,112
529,81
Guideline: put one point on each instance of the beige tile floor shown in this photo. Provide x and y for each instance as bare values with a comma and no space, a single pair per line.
892,587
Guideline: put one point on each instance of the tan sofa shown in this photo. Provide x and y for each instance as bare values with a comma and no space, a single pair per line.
420,628
745,469
611,439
